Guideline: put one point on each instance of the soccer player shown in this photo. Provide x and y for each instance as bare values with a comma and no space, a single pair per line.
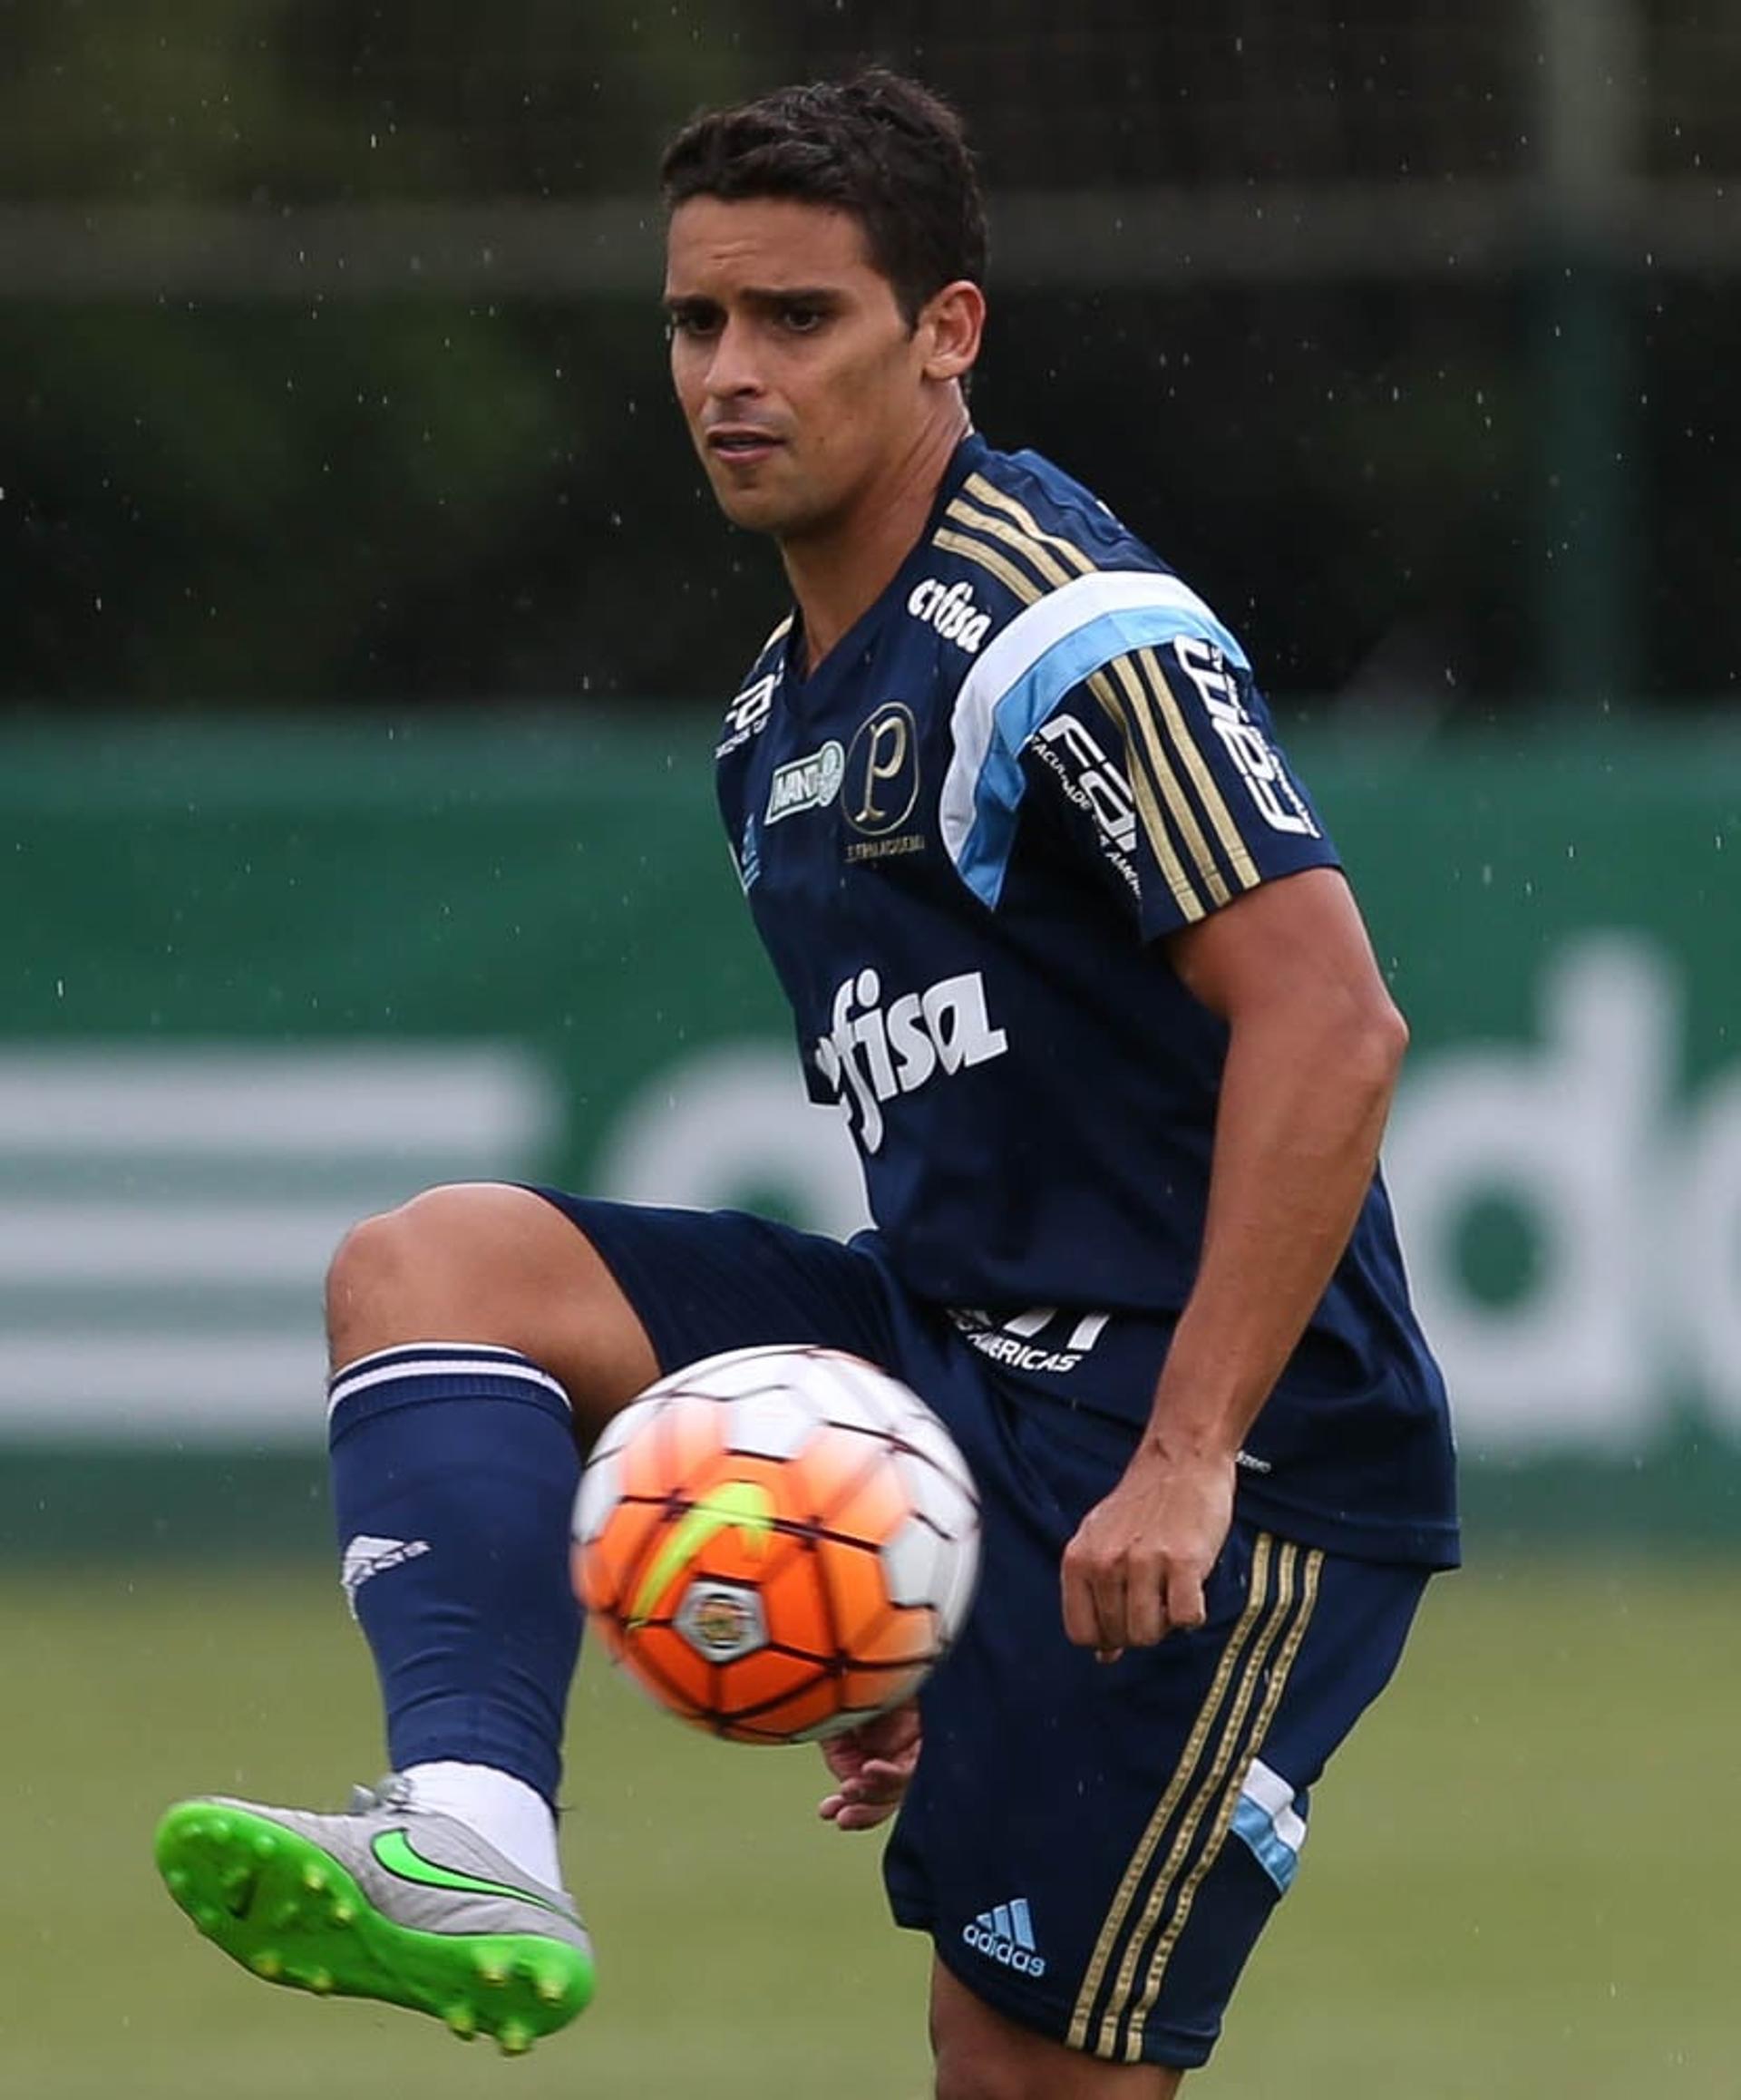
1067,942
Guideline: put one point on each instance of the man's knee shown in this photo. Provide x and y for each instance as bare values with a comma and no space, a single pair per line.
982,2054
430,1251
486,1262
961,2078
1047,2073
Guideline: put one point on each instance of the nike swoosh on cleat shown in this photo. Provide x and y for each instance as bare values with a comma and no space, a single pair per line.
394,1851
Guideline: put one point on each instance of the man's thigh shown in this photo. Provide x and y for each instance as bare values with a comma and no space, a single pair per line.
1094,1848
704,1281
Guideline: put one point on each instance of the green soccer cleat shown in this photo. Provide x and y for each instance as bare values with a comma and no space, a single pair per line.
384,1902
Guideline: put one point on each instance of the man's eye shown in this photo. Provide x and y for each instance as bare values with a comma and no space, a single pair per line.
801,320
692,325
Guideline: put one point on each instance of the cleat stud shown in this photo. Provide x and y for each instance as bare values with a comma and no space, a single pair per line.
289,1912
264,1846
491,1970
217,1826
315,1880
515,2038
206,1917
319,1980
344,1912
176,1880
463,2021
268,1964
551,1988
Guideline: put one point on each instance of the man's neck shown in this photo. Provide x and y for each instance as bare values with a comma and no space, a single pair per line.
836,577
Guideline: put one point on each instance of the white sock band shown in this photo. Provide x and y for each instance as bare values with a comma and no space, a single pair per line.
504,1812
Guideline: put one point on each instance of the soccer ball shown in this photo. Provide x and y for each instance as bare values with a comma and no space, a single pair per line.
776,1543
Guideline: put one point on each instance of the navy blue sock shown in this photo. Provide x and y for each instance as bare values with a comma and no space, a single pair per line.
453,1477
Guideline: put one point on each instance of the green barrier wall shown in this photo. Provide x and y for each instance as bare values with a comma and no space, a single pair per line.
264,980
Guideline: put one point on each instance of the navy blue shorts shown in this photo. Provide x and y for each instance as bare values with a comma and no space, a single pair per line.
1094,1848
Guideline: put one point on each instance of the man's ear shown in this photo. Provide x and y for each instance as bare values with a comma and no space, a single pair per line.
952,323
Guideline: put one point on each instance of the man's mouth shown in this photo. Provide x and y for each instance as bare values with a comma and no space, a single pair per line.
740,442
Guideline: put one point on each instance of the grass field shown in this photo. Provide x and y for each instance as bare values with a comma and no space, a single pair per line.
1521,1883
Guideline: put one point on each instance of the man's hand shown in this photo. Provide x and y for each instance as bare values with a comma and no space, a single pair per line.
872,1764
1136,1567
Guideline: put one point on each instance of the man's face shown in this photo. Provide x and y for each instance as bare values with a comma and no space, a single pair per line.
799,378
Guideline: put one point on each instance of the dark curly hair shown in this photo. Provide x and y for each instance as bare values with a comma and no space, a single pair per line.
879,146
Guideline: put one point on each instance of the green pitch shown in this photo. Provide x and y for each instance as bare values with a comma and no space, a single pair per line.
1520,1881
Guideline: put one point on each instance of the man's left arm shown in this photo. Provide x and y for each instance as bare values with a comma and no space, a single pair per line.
1313,1047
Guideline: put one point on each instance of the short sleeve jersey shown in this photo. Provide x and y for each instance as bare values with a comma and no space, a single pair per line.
964,838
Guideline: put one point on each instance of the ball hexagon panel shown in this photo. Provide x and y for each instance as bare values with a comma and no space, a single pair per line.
913,1564
936,1496
776,1422
962,1576
928,1436
601,1486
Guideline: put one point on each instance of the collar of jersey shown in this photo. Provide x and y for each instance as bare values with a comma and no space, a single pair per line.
808,697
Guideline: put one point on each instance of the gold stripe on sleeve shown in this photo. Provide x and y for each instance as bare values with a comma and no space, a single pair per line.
1233,842
1138,713
1184,815
1151,787
1209,793
984,491
993,563
1113,1923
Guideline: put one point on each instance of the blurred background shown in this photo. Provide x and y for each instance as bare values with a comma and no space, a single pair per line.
367,627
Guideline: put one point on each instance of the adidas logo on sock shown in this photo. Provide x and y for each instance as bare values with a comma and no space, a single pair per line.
365,1556
1005,1935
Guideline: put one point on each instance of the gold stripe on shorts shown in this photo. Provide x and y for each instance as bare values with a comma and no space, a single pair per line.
1146,1845
1251,1668
1206,1858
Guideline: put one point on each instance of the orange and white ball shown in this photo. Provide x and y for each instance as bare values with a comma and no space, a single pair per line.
776,1543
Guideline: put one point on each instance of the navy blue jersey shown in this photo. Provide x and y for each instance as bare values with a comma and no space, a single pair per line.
962,837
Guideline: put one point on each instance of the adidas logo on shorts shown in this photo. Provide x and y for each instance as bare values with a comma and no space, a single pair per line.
1005,1935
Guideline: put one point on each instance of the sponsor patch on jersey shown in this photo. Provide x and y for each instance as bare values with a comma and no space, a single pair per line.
949,607
1041,1338
806,784
1094,784
874,1051
747,715
1279,802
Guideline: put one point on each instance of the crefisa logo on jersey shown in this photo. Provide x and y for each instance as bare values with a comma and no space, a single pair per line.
951,610
874,1052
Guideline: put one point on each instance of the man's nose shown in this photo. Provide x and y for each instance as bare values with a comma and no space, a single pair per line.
732,371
